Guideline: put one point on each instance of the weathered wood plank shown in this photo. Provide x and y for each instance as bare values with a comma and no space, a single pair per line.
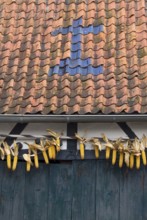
4,213
83,205
36,193
144,182
12,192
19,189
60,191
107,191
131,194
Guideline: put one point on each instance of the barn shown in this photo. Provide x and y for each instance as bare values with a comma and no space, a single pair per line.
73,109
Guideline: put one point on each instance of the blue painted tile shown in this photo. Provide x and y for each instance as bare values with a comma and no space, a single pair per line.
75,47
76,54
76,38
77,23
77,30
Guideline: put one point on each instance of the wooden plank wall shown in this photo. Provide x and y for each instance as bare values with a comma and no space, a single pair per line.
75,190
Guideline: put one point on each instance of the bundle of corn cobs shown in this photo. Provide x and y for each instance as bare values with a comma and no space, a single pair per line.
48,148
51,146
129,152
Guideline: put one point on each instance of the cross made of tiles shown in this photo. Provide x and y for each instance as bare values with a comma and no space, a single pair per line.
75,64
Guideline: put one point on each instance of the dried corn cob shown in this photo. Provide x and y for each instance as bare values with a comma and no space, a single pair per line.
56,137
143,145
45,157
27,158
16,148
96,150
131,160
138,162
58,144
108,146
82,142
114,153
8,154
121,159
50,152
53,152
36,162
108,152
96,145
143,154
43,149
82,150
15,160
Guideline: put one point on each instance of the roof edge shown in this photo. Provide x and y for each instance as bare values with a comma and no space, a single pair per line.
19,118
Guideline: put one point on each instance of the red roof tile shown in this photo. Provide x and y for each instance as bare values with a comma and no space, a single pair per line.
30,49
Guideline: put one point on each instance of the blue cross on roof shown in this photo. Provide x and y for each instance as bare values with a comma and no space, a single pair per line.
74,64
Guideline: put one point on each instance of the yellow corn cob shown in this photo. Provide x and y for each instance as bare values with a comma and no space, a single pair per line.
36,160
131,161
143,154
96,151
45,157
121,158
53,152
114,152
9,161
58,144
28,167
137,162
15,160
50,152
107,152
82,151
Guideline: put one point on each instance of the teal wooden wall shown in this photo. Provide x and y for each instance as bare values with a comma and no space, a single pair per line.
76,190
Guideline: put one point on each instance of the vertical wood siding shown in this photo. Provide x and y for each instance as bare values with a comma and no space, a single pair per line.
76,190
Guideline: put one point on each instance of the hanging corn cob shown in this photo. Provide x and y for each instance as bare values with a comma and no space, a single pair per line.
131,160
116,146
43,148
27,158
82,142
16,148
126,153
55,136
108,146
114,152
34,148
129,154
2,152
8,152
127,158
136,147
96,145
121,154
143,145
45,157
50,145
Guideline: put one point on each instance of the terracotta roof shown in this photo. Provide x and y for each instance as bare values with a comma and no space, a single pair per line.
73,56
